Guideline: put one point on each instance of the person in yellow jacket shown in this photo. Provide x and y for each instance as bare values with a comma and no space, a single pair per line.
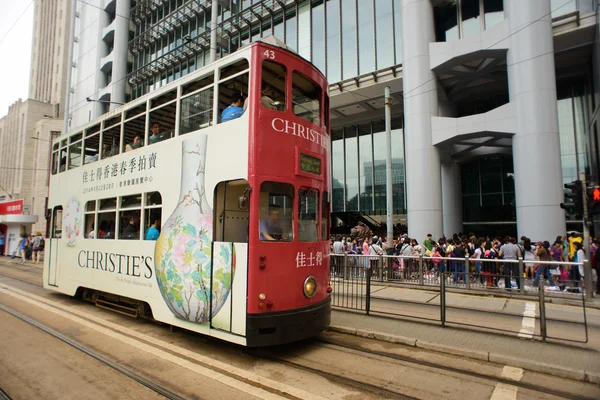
572,241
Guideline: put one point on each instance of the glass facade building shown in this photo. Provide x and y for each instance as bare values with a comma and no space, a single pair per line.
358,45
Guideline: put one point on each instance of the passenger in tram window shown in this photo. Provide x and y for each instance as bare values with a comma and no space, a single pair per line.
266,99
152,232
270,229
102,229
235,110
107,151
132,229
138,142
92,234
155,133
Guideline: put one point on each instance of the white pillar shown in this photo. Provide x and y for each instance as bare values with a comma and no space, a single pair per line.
536,149
100,77
120,52
452,199
423,176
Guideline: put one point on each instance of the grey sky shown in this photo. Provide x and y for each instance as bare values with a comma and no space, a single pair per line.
15,49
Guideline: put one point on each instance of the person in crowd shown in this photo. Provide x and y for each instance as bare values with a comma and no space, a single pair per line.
529,257
132,229
2,242
596,264
541,251
510,251
265,98
427,243
38,247
29,249
478,253
577,272
270,228
138,141
22,248
375,250
234,110
152,233
460,254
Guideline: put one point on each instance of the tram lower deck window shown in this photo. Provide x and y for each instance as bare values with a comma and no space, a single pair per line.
276,212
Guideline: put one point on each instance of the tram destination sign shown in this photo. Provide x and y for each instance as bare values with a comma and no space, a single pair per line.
309,164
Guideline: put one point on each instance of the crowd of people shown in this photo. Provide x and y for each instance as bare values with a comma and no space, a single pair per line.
30,247
485,257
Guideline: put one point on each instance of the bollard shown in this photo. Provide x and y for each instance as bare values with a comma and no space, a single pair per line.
542,310
467,273
443,298
521,277
420,269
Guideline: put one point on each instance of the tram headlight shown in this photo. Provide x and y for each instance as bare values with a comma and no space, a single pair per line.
310,287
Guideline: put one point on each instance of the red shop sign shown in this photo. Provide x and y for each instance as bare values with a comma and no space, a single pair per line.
11,207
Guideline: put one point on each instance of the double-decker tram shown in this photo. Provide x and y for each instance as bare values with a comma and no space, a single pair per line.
203,204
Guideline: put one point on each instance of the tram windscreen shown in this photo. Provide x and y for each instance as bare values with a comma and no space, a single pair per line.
276,212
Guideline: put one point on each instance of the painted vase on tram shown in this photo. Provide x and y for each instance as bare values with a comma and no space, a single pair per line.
191,287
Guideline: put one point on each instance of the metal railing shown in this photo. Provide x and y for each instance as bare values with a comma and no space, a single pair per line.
358,282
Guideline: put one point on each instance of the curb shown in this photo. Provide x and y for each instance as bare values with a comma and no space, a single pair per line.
578,375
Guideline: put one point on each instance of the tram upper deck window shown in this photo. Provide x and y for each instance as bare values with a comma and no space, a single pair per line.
162,119
134,133
111,139
308,220
91,144
55,158
276,212
75,151
233,90
273,86
197,105
306,98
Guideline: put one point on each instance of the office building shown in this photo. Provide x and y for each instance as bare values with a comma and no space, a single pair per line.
494,102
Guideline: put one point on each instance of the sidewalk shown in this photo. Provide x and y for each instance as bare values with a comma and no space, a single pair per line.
580,363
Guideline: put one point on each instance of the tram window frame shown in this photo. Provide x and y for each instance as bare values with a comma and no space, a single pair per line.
233,69
298,91
234,85
325,216
57,222
75,159
90,219
185,114
305,225
130,208
166,117
275,196
136,111
111,148
133,128
267,99
151,207
91,144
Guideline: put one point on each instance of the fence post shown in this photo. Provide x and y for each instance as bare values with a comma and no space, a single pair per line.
421,269
443,298
345,268
542,310
521,277
467,273
368,294
380,268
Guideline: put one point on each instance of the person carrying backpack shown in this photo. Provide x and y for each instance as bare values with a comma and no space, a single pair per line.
38,247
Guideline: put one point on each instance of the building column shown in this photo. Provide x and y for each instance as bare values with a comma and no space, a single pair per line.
120,52
423,176
100,77
451,199
536,148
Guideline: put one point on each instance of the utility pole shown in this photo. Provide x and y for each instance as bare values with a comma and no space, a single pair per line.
587,268
388,167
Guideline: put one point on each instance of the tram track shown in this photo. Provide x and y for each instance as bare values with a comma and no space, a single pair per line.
496,379
157,388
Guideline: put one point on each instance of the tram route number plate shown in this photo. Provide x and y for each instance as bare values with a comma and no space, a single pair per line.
310,164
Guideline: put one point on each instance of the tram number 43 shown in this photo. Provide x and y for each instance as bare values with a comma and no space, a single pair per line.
269,54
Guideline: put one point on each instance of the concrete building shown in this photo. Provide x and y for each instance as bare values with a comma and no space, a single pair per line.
50,53
495,102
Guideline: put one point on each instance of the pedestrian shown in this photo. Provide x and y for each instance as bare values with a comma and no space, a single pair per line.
2,242
577,272
37,247
543,269
375,250
510,251
529,257
460,254
22,247
29,249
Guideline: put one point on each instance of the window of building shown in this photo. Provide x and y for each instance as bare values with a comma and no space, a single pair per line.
273,86
276,212
306,98
308,211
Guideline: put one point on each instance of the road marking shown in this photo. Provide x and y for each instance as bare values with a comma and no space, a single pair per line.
502,391
528,322
242,380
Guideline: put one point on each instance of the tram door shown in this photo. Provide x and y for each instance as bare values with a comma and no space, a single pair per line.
230,255
52,248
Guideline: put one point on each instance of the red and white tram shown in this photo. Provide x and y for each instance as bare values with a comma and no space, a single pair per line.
204,203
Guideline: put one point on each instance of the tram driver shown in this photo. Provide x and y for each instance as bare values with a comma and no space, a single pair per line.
270,228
